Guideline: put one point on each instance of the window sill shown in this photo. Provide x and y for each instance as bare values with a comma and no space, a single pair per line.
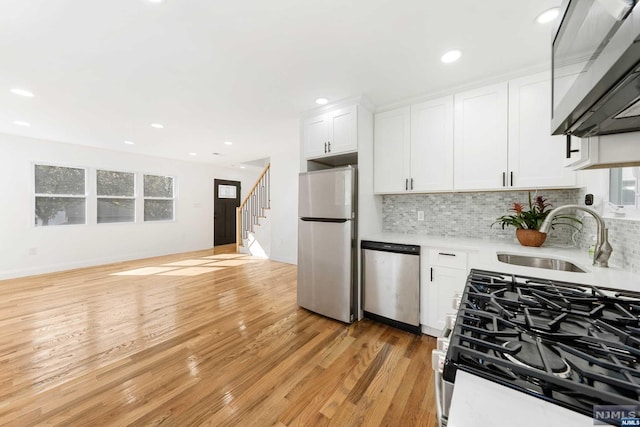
628,217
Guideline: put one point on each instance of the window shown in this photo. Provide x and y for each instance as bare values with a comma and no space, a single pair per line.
226,191
116,196
60,195
623,188
158,198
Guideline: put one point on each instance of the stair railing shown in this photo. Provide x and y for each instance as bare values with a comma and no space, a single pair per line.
253,206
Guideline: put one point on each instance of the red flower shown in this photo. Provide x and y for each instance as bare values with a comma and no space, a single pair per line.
517,208
541,203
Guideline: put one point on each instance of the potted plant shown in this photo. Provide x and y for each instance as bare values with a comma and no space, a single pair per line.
528,222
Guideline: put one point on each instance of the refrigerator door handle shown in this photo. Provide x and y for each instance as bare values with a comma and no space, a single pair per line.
337,220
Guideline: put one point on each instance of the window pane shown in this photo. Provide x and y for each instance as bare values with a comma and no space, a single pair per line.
158,186
59,180
60,210
116,210
226,191
623,186
110,183
158,210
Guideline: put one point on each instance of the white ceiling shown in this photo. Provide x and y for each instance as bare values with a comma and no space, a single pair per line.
239,70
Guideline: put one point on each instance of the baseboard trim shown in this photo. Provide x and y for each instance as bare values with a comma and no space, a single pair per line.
93,262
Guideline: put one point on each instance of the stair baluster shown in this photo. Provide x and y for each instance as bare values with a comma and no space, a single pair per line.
253,207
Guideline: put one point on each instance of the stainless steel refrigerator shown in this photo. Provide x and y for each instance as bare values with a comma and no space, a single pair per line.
327,274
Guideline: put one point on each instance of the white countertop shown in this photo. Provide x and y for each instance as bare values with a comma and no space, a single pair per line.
483,255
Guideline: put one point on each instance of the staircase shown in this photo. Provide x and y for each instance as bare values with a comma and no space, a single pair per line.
251,213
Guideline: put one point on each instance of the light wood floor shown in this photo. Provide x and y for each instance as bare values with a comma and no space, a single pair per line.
195,343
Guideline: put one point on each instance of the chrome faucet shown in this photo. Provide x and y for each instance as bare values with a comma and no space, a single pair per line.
603,248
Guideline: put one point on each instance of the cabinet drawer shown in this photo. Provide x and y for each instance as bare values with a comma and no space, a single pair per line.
448,258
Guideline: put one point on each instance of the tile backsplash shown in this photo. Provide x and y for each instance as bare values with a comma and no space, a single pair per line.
465,214
471,215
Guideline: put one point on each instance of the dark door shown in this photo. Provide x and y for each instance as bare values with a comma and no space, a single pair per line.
226,198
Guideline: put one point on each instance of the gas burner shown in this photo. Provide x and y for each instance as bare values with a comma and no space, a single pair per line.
530,355
572,344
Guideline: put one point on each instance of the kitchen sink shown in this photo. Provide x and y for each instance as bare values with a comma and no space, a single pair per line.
540,262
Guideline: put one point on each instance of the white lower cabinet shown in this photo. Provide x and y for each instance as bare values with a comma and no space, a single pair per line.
444,274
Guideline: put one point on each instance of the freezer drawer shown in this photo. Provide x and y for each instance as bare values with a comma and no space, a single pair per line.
391,286
326,282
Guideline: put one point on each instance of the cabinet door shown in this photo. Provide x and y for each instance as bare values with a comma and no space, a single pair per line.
432,145
391,151
480,156
343,128
442,285
536,158
316,136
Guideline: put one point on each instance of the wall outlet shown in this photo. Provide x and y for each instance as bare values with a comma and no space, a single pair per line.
420,215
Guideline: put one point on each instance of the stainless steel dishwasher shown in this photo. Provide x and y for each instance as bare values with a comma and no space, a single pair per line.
391,284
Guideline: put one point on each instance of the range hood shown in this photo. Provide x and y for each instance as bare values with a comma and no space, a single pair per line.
601,39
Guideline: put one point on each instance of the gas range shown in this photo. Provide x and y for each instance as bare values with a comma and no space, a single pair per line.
573,345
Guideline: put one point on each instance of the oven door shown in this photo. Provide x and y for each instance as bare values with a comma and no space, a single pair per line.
443,389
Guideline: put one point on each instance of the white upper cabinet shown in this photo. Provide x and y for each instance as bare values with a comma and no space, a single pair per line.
391,151
536,159
316,135
331,133
432,145
481,138
413,148
491,138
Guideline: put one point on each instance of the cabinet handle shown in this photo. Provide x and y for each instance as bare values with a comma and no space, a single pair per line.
329,144
431,273
504,179
325,147
569,150
406,184
412,183
511,177
446,254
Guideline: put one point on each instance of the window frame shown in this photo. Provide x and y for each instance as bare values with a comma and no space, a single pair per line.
173,198
630,211
34,195
134,197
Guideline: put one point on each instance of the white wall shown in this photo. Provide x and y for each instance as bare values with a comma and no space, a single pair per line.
70,246
285,167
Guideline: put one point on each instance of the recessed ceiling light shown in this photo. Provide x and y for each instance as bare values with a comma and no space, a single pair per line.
451,56
155,1
193,154
157,126
129,142
242,167
21,123
22,92
548,15
228,143
321,101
